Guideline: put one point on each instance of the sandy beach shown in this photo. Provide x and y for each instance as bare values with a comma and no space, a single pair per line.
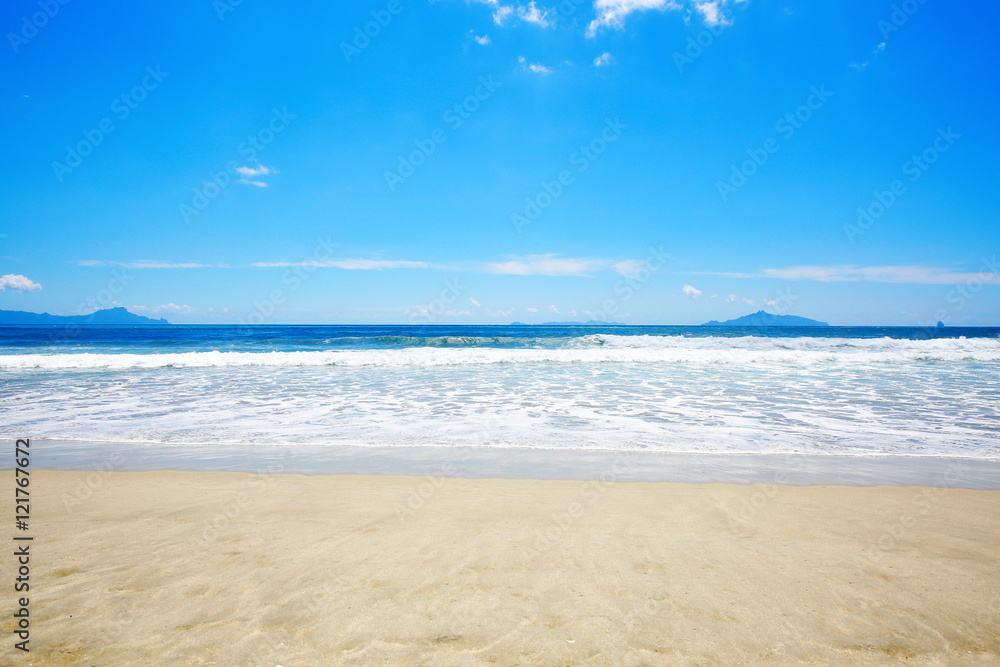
231,568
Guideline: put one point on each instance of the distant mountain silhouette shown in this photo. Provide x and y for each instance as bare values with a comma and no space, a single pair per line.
108,316
764,319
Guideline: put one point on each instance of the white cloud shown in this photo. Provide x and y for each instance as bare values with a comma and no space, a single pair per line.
771,303
531,310
714,296
690,292
731,298
502,14
146,264
542,265
879,48
749,302
712,13
18,283
921,275
352,264
166,308
248,174
629,267
602,60
545,265
484,40
612,13
255,171
553,309
473,302
153,264
534,67
531,14
903,273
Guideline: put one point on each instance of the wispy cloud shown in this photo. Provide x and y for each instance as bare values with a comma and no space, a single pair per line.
902,273
629,267
545,265
482,40
553,309
712,13
18,283
602,60
879,48
533,67
531,14
612,13
252,175
501,14
531,265
146,264
923,275
171,308
352,264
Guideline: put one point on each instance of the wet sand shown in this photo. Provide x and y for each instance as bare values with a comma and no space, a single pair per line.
168,567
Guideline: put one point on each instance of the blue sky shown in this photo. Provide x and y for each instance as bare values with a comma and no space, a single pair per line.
653,162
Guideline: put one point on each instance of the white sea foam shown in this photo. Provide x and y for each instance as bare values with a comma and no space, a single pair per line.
709,394
586,350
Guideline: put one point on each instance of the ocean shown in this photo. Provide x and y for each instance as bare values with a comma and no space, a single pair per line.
858,391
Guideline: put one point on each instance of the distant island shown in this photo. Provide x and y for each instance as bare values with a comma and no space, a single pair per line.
764,319
588,323
108,316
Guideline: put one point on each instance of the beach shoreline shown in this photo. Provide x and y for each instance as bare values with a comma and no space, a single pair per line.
184,567
525,463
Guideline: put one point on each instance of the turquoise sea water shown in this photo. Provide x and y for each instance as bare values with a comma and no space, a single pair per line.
837,390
